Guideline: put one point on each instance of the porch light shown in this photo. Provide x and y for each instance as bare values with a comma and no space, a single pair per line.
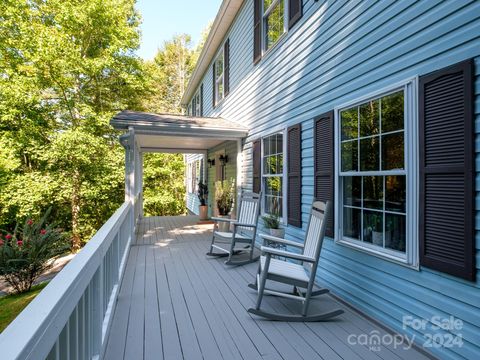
211,162
223,159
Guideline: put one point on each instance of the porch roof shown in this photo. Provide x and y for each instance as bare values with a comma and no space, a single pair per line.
177,133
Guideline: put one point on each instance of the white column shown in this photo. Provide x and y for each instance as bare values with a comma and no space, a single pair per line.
239,169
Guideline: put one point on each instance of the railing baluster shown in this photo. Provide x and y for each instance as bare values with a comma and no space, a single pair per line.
78,304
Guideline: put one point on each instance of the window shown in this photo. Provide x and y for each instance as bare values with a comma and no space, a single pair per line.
375,192
274,22
219,78
272,174
196,107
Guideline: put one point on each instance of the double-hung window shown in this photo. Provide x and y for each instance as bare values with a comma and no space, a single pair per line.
376,192
274,22
272,174
196,104
219,77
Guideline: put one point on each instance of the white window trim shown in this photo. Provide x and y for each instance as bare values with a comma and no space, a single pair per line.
264,14
410,259
221,78
282,131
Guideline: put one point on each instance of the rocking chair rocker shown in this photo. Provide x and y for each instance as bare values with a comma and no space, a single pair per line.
244,231
292,273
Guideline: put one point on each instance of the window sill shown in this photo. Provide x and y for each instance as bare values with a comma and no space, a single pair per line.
274,47
353,244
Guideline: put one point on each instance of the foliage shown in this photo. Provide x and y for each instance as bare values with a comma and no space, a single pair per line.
169,73
29,251
164,187
271,221
224,195
12,305
66,67
202,193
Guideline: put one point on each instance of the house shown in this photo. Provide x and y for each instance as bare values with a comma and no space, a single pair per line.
374,106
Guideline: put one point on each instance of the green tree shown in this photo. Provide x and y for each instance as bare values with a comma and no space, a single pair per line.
169,73
66,66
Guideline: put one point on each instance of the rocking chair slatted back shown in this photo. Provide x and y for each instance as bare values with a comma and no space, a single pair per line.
248,210
314,238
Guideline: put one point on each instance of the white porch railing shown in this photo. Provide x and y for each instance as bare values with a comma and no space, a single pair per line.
70,318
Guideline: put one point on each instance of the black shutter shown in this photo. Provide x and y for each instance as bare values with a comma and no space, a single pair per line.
257,165
226,73
201,100
257,31
295,11
447,171
294,170
324,164
213,85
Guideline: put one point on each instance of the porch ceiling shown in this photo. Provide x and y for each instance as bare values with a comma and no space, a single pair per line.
177,133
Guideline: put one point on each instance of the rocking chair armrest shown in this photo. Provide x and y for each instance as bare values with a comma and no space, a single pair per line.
287,254
222,219
281,241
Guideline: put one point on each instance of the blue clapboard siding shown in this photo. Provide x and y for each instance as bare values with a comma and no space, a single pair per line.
339,51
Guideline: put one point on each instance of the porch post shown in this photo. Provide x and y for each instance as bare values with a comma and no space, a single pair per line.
239,169
140,185
128,142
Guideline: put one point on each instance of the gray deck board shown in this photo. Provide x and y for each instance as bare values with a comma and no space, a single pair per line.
177,303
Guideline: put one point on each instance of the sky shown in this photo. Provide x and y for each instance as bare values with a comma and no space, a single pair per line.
162,19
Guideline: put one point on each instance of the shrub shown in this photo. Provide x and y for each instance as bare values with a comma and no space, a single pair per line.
271,221
224,194
29,251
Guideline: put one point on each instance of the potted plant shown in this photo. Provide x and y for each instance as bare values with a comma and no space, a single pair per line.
202,194
272,223
224,193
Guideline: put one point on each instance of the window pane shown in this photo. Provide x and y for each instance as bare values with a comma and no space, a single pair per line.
350,156
266,146
266,4
369,118
395,193
395,226
373,192
392,112
369,154
280,164
279,144
351,223
220,91
219,66
349,123
273,195
274,25
352,190
393,151
373,227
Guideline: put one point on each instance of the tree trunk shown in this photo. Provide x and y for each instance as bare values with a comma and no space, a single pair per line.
75,203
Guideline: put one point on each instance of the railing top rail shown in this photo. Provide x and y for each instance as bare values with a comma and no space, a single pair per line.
33,333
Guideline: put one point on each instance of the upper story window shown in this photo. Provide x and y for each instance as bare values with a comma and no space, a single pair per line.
271,20
219,77
272,174
376,192
197,104
274,21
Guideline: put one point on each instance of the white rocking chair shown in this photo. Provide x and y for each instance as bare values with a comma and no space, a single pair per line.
244,231
292,273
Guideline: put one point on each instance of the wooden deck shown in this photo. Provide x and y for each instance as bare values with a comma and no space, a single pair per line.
176,303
